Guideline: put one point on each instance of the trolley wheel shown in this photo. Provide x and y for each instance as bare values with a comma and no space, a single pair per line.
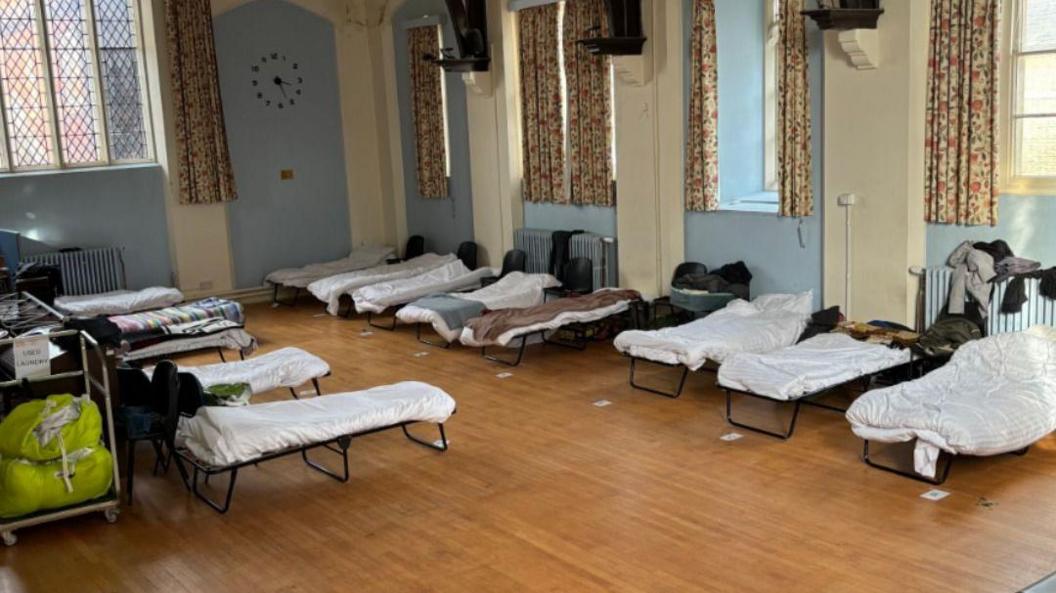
111,515
9,537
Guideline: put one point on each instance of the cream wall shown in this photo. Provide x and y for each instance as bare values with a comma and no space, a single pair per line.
874,148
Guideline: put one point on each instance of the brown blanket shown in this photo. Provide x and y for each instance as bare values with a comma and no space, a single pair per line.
490,326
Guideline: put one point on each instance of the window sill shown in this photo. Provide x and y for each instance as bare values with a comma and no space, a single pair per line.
75,170
765,202
1026,186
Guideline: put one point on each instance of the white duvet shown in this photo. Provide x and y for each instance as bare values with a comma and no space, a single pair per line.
765,324
816,364
286,367
358,259
228,339
375,298
221,436
331,289
557,322
996,395
516,290
118,302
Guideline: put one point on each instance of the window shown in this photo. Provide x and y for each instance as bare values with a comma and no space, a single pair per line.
72,90
1030,79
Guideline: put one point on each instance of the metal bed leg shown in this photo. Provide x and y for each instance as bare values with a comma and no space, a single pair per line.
781,435
513,363
370,322
424,443
291,303
220,351
293,392
670,394
418,334
940,477
580,343
131,469
315,383
343,444
227,499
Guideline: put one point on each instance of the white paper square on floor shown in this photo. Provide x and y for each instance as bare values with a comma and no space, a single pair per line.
731,436
420,354
366,334
601,403
313,316
935,495
306,392
440,443
504,375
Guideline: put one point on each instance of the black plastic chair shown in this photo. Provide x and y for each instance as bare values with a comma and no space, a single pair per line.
467,252
515,260
415,247
146,415
578,278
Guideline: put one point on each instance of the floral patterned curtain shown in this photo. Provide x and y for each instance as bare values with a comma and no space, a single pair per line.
793,113
542,137
961,128
589,105
427,105
702,140
203,166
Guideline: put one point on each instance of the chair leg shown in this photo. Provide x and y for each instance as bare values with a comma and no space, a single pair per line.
670,394
131,468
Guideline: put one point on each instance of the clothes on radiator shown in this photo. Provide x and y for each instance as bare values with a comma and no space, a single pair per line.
1016,293
1014,266
973,269
997,249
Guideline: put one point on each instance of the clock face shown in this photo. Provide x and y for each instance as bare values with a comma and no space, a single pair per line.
277,81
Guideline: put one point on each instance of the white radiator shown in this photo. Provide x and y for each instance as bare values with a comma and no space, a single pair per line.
601,251
88,271
1038,310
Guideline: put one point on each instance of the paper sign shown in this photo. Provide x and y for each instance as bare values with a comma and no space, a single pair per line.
731,436
601,403
32,357
934,495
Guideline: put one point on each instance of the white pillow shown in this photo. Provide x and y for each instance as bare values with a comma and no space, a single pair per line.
800,304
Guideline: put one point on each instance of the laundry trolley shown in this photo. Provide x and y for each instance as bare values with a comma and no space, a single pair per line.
89,375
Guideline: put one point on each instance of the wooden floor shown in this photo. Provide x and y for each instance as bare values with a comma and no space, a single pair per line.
543,491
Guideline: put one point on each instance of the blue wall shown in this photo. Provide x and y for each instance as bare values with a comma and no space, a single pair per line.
106,207
1027,223
276,223
557,217
770,245
444,223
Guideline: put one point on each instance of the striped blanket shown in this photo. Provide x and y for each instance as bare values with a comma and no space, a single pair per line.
211,308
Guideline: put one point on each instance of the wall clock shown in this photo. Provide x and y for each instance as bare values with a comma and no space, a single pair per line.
277,81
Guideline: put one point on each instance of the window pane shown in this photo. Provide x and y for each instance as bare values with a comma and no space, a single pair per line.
22,83
122,94
71,75
1039,25
1036,146
1037,81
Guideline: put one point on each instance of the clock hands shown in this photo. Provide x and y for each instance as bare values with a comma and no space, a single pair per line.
282,84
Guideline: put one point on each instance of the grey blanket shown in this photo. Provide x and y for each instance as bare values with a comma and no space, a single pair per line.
454,311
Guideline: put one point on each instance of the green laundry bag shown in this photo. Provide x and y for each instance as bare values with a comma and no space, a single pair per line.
32,430
27,487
